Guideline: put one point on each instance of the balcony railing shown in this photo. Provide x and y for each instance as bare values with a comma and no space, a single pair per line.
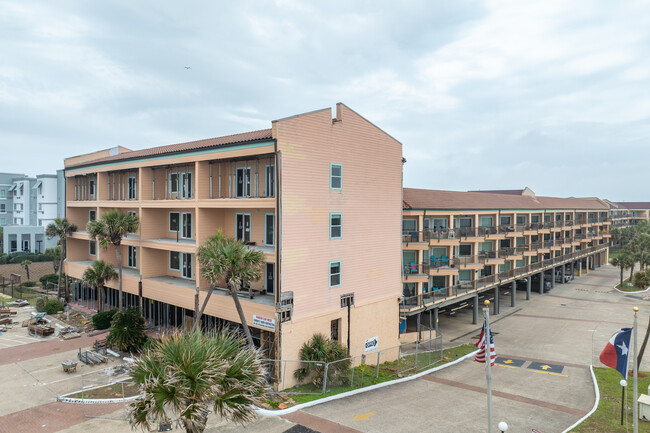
415,269
439,294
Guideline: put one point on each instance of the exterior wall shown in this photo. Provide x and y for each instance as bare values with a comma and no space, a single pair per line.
370,203
47,200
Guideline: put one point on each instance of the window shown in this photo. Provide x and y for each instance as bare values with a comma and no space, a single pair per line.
181,223
347,300
173,183
132,213
132,256
336,176
3,221
243,182
40,207
269,229
174,261
40,222
25,245
521,220
132,188
18,221
92,248
335,274
520,263
534,219
485,221
409,225
485,246
3,208
439,223
243,227
465,275
3,193
334,330
269,183
92,215
174,221
335,226
91,187
465,250
18,207
504,220
567,217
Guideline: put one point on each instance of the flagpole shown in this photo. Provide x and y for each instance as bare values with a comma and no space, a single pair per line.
636,385
488,362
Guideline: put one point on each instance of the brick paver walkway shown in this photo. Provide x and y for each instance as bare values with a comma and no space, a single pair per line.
43,348
51,417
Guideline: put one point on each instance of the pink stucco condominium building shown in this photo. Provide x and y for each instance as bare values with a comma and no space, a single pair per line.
319,194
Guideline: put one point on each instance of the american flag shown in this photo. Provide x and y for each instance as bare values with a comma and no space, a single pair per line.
481,355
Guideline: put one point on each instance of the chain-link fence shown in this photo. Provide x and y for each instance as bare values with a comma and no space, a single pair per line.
313,377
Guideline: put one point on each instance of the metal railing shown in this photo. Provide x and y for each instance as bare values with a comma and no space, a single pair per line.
319,377
440,294
412,269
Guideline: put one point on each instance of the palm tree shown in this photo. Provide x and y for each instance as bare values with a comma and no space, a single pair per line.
185,374
55,254
96,276
25,264
624,260
229,259
109,230
60,228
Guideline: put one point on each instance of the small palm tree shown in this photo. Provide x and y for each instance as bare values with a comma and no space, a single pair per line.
317,351
127,330
60,228
229,259
109,230
25,264
55,254
96,276
185,374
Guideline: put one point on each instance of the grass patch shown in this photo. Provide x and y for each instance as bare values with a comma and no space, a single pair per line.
27,294
607,417
625,288
360,377
110,391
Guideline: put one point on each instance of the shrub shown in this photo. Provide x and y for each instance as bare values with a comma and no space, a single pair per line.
127,333
103,320
28,284
20,256
50,278
48,305
642,279
320,348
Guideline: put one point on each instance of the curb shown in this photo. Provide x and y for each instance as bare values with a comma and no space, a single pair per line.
96,400
267,412
628,293
593,409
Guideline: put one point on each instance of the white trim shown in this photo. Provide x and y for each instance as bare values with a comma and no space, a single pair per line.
330,176
593,409
266,412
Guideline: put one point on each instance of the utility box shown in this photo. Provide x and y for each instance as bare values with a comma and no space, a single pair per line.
644,407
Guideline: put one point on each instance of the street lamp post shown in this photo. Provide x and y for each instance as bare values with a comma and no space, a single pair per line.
503,427
623,383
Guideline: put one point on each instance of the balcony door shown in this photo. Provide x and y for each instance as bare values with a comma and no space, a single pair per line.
186,224
243,182
186,268
186,185
243,229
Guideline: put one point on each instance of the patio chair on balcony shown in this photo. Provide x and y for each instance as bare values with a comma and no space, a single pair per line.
434,262
414,267
414,236
444,261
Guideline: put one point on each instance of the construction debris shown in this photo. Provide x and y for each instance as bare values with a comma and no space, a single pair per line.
7,311
39,326
89,357
19,303
69,365
6,321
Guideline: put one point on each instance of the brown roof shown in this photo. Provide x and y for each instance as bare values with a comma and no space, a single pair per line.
263,134
461,200
633,204
501,191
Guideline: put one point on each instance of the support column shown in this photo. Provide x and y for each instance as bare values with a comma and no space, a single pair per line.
541,283
435,320
529,284
513,294
475,310
573,275
563,272
418,326
553,278
496,301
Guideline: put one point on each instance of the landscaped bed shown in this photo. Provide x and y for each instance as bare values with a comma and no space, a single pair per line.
114,390
367,375
607,417
625,288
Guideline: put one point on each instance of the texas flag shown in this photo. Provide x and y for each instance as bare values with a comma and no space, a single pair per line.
617,351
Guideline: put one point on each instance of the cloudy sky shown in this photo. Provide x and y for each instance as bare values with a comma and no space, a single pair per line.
553,94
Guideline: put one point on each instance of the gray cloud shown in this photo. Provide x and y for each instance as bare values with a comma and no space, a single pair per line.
483,94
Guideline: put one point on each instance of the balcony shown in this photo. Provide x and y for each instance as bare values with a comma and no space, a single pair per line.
412,270
469,262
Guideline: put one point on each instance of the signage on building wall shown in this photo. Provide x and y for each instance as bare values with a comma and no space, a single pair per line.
263,322
372,344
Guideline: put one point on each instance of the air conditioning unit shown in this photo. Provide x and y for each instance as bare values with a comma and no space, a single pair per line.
644,407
